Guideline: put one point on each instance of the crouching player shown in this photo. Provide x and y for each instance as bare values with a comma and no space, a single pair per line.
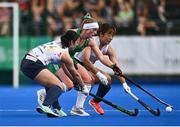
87,58
34,65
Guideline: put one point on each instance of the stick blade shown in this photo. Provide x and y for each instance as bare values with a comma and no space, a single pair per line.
157,112
136,111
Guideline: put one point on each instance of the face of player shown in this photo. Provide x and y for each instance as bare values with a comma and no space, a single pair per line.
73,45
89,33
107,37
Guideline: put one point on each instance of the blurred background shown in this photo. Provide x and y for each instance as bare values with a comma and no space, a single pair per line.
147,42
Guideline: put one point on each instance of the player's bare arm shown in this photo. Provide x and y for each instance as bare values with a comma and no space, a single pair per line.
70,66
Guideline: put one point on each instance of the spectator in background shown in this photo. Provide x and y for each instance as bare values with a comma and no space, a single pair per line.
8,0
4,21
69,8
77,15
62,15
52,27
144,23
24,16
97,8
108,11
125,15
65,14
55,6
54,17
38,10
97,16
162,11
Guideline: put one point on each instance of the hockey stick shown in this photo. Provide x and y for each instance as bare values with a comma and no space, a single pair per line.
162,102
156,113
135,113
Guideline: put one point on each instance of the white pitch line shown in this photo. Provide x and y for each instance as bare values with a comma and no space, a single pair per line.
29,110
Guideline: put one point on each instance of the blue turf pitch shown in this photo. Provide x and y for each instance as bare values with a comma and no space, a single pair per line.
17,108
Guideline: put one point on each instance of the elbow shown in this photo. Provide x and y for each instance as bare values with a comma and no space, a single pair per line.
86,61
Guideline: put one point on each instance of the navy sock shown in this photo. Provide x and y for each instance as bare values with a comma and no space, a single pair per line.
52,95
47,88
102,91
56,105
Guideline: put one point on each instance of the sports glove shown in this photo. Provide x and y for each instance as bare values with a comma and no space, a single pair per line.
126,87
102,78
116,69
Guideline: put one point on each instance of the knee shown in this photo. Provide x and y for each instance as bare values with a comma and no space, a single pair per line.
70,86
65,87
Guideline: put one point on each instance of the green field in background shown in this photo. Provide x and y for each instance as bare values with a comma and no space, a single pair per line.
25,44
6,55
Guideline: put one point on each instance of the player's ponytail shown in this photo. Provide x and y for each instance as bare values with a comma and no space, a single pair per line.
87,16
68,37
88,22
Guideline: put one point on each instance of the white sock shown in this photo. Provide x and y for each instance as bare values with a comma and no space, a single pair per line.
81,98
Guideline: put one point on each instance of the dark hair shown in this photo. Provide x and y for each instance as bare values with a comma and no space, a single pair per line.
67,37
105,27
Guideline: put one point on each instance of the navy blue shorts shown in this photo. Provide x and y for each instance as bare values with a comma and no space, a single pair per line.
31,68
